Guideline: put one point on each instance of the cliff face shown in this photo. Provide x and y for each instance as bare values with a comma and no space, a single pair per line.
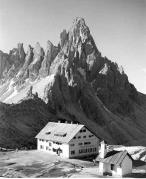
79,85
11,63
80,58
50,54
4,64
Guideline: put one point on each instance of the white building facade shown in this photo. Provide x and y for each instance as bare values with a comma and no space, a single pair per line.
67,140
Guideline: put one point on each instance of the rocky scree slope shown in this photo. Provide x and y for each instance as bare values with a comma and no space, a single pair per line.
79,85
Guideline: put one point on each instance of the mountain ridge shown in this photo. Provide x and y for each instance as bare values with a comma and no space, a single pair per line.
78,84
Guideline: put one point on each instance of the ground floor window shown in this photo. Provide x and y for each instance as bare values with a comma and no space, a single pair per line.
72,152
112,167
41,146
72,145
87,143
91,135
54,150
94,149
87,150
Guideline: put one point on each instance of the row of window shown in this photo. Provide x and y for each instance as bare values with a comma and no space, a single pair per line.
42,147
89,150
87,143
83,130
79,137
58,143
80,143
91,135
43,140
47,148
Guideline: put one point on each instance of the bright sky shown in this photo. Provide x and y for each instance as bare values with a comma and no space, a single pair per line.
118,27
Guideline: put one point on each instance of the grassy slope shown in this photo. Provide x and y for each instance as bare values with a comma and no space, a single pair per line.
20,123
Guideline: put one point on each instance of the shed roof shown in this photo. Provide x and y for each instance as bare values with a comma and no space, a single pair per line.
59,132
114,157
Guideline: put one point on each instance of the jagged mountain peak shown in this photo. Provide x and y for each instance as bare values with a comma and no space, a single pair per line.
38,50
80,29
49,43
20,46
29,50
78,33
19,51
77,83
80,24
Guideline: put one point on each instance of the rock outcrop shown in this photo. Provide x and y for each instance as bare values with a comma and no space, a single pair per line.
50,54
17,56
23,73
12,62
36,63
80,56
4,64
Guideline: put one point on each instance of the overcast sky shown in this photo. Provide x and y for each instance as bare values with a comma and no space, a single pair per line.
118,27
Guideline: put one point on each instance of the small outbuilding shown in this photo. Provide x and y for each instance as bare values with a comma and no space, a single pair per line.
114,163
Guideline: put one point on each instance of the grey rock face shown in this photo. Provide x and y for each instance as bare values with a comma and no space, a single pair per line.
85,82
86,87
17,55
36,63
50,54
4,64
63,38
23,73
12,62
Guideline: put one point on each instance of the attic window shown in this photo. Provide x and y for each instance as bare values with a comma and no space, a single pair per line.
48,133
91,135
60,134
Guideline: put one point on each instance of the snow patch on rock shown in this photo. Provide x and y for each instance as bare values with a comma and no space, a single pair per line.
104,70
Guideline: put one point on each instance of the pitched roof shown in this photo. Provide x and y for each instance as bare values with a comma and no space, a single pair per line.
59,132
114,157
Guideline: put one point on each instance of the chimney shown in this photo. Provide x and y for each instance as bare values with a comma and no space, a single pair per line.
66,122
58,121
103,149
